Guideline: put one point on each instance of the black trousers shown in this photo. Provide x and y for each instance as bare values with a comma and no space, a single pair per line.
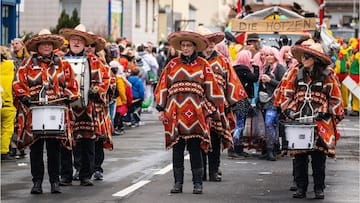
99,155
53,159
86,150
214,155
193,146
318,160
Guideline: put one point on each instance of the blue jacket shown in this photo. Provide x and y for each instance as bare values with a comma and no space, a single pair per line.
137,88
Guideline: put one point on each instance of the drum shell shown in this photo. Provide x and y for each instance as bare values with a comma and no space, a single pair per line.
299,135
48,119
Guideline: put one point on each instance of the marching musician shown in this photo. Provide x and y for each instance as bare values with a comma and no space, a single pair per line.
312,91
43,80
93,78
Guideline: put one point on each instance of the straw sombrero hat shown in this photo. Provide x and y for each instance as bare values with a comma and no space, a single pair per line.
100,43
176,38
79,30
215,37
44,36
312,48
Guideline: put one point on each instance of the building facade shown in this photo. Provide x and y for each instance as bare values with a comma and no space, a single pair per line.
133,19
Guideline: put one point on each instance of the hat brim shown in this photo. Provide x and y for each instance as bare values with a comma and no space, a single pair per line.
100,44
216,37
67,32
175,39
33,43
298,51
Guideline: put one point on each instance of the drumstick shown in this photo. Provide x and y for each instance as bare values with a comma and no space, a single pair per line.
305,117
51,101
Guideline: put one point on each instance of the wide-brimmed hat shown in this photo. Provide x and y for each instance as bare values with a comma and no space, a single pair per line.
100,43
79,30
253,37
176,38
44,36
311,48
215,37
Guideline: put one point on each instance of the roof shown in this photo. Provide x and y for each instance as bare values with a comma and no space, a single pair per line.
268,11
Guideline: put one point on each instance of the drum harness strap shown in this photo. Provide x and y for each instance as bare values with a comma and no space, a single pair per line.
83,72
306,110
34,58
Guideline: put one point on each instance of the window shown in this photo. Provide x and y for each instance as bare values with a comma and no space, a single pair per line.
137,18
70,5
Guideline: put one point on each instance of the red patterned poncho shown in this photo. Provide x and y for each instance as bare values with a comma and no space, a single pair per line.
29,80
326,99
233,92
188,94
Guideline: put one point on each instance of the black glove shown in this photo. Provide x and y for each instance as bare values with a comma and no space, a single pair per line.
68,100
290,114
26,101
94,96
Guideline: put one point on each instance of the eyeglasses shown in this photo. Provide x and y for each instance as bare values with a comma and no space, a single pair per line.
186,44
91,45
307,56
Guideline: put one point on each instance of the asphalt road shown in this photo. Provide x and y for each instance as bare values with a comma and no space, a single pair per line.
138,170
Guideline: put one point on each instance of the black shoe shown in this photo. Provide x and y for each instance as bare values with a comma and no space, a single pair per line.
12,152
319,194
232,154
177,188
65,182
354,113
36,189
7,157
214,177
98,175
300,194
197,188
119,132
55,188
219,172
86,182
22,154
76,175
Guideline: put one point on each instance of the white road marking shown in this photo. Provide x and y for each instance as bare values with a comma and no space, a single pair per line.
130,189
164,170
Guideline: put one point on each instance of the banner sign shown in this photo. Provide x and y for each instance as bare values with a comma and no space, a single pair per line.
290,25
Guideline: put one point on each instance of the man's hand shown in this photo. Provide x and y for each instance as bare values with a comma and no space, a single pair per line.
290,114
161,116
26,101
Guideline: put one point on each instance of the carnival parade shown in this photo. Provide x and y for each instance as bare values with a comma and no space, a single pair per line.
251,99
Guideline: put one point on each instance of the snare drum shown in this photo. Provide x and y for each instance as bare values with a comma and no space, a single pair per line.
48,119
80,67
299,135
